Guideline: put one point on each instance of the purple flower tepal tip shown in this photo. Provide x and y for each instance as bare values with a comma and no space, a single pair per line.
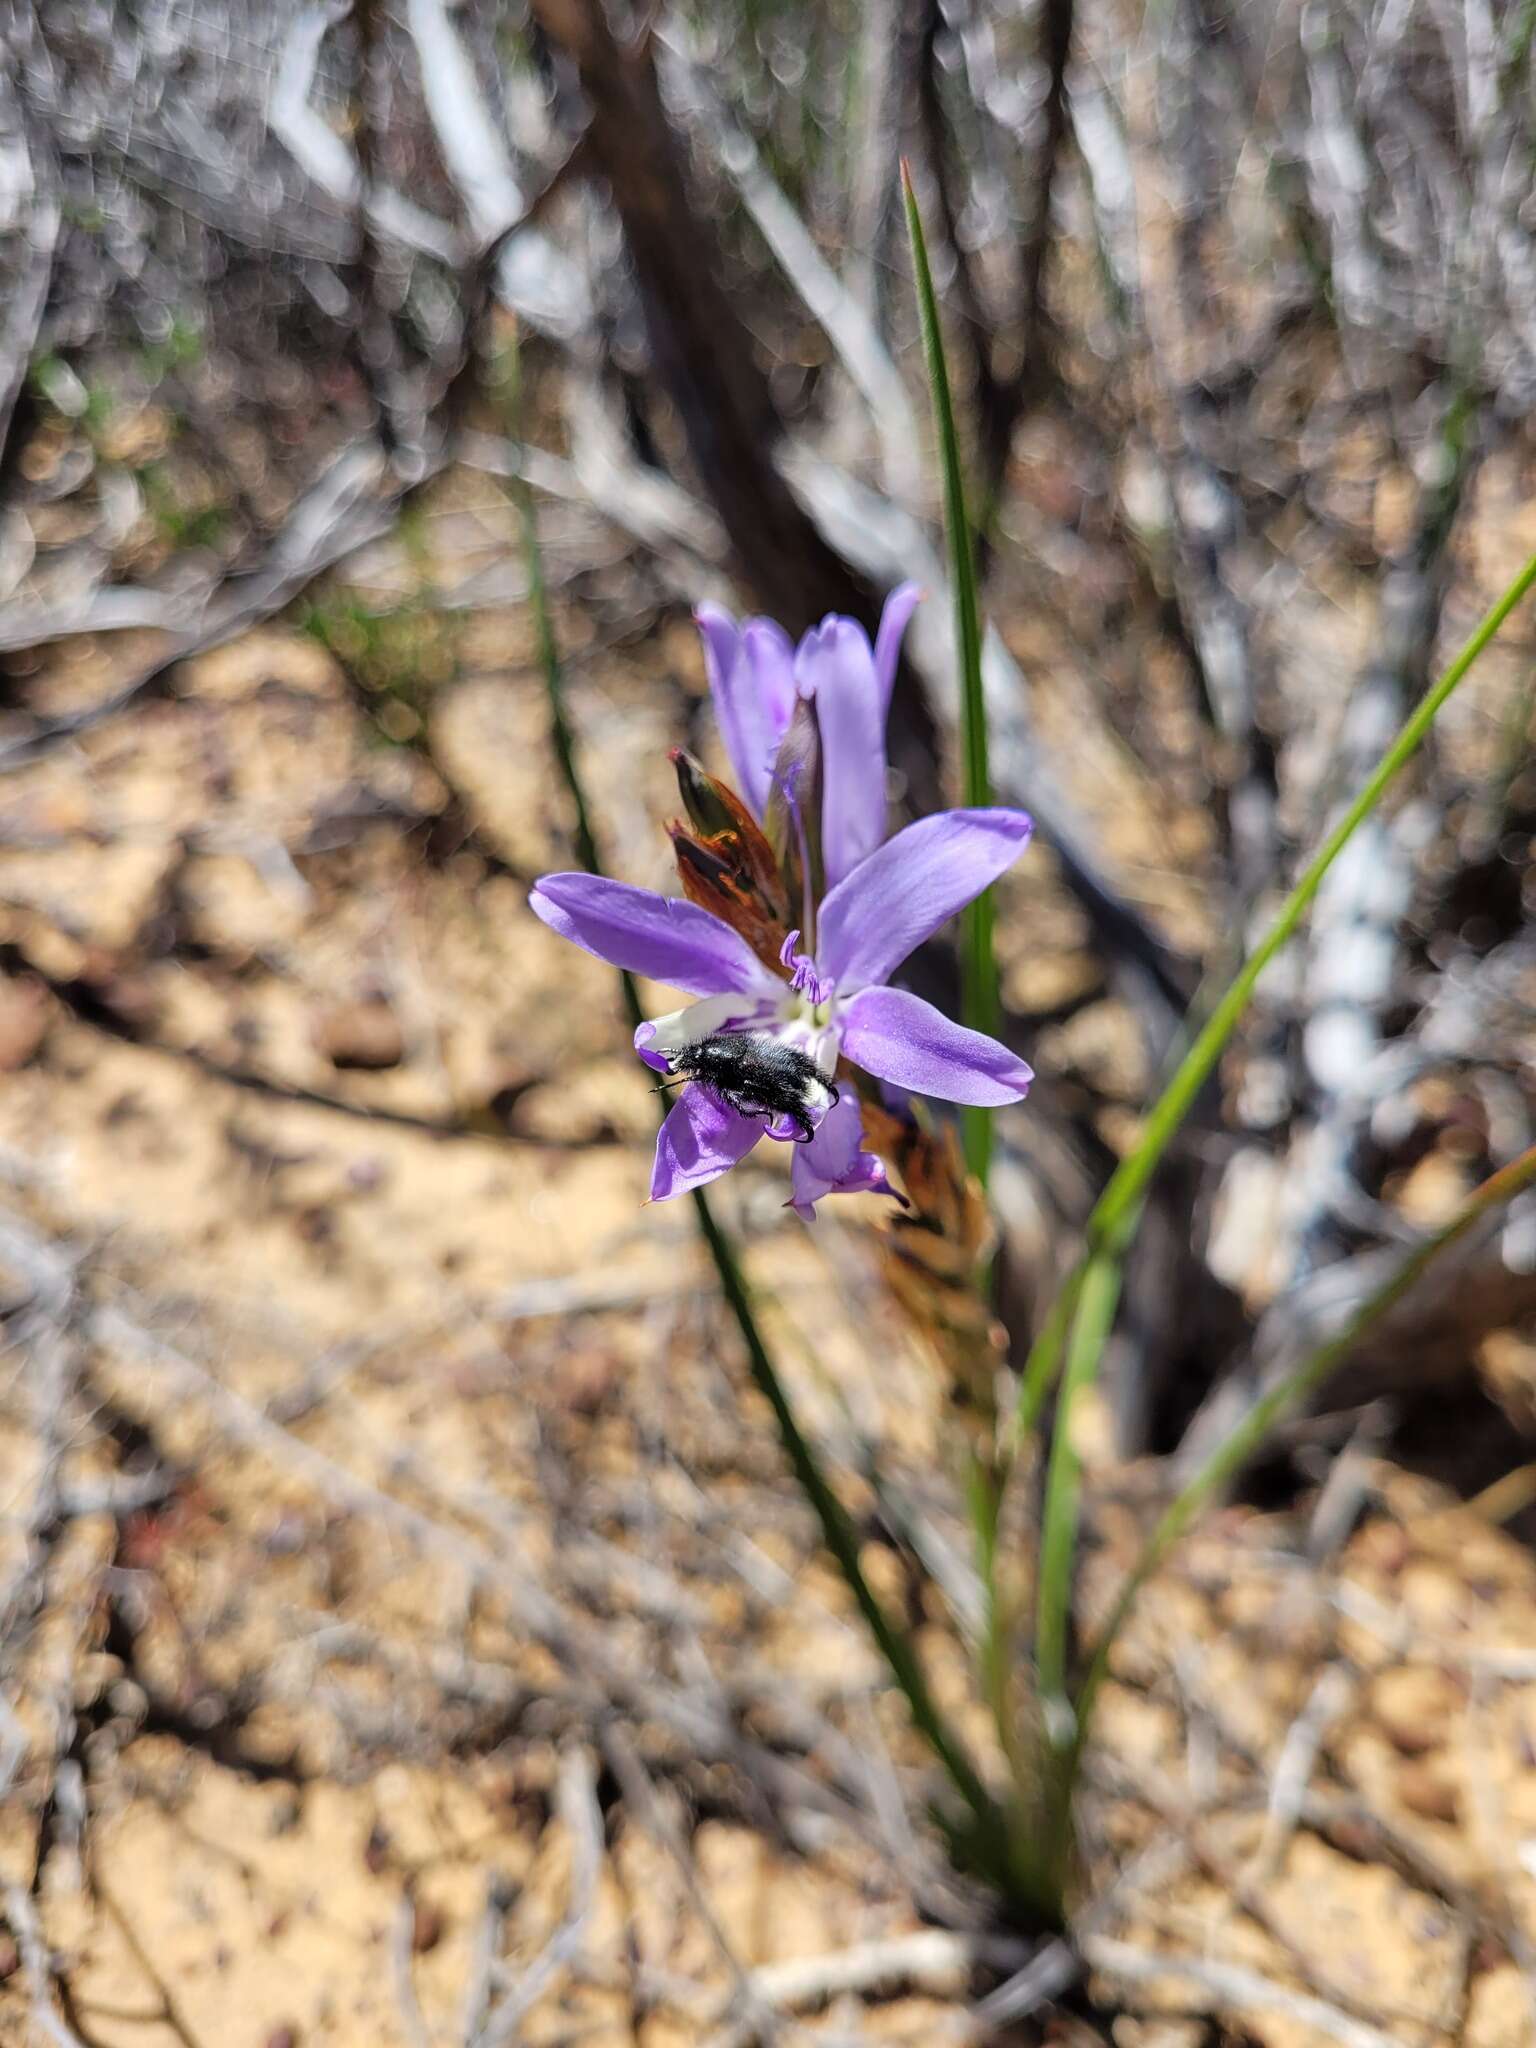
756,676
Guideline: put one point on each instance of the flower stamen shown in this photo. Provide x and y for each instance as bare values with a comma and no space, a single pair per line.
804,979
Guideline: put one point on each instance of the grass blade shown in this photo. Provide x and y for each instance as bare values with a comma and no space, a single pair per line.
981,1011
1109,1226
1229,1456
507,379
1081,1319
978,964
839,1536
1099,1298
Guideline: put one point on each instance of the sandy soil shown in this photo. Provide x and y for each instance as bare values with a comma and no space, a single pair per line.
419,1639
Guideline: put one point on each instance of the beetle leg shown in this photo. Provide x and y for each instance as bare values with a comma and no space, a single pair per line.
734,1099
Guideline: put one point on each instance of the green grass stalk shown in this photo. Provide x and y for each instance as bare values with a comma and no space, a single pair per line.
1098,1300
980,1009
978,962
1080,1323
1108,1227
1238,1447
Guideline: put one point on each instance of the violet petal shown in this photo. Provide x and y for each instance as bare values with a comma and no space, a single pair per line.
908,887
898,1037
834,1161
665,937
700,1140
752,682
836,669
899,607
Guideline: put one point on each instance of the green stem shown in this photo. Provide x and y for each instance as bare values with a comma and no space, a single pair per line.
1097,1301
1115,1208
837,1531
978,962
993,1660
1229,1457
988,1831
508,375
981,1010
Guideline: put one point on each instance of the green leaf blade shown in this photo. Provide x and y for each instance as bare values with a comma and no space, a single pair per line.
979,1004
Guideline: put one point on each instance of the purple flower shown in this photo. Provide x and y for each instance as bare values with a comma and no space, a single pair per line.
837,1000
756,678
758,1052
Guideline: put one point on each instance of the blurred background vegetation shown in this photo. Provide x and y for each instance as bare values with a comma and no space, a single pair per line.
382,1485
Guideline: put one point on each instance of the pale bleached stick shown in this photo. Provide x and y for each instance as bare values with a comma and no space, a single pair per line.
1229,1987
576,1804
38,1965
1327,1700
327,158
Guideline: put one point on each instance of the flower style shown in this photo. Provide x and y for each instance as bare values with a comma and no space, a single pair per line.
829,997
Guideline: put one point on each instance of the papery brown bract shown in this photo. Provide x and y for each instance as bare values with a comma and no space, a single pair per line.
717,813
715,883
725,864
934,1250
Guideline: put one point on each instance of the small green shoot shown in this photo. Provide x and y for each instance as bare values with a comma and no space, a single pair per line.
978,963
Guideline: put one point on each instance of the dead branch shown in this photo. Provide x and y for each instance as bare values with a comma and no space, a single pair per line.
38,1965
576,1803
30,216
700,349
323,155
354,502
1227,1987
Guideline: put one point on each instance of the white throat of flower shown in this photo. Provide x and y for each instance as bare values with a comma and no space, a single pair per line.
805,1017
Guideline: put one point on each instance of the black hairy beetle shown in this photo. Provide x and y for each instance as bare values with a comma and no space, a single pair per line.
757,1075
